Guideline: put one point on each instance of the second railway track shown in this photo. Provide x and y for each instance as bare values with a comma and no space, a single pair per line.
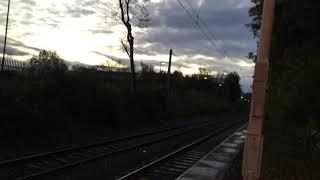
173,164
42,164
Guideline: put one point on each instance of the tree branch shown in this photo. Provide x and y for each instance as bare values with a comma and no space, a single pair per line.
125,48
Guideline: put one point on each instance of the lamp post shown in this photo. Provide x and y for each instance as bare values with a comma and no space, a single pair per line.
5,38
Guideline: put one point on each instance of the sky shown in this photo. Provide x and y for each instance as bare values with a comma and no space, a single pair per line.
89,32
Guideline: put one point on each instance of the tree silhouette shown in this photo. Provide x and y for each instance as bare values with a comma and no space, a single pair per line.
47,61
132,9
232,86
203,71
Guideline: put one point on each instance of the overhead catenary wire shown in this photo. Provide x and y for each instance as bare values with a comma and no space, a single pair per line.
201,29
205,25
208,34
100,11
115,13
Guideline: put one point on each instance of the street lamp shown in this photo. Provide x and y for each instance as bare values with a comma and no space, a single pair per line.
5,38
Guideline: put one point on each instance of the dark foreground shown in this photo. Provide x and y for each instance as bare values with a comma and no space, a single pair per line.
129,155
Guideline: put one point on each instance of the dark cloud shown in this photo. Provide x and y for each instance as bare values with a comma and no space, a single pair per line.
78,11
103,54
11,51
124,61
13,47
16,43
29,2
21,12
225,20
55,12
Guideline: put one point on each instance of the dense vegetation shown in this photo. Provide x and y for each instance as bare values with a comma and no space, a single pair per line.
49,97
293,118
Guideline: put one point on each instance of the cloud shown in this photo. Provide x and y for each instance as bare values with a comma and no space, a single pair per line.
29,2
14,47
225,20
19,44
100,31
78,12
11,51
170,27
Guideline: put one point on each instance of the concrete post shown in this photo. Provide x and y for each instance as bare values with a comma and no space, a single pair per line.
254,138
169,73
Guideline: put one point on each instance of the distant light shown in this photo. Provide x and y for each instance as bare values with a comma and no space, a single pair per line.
220,85
205,78
241,97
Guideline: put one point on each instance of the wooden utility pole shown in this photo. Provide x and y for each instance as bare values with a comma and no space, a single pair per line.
169,73
254,137
5,38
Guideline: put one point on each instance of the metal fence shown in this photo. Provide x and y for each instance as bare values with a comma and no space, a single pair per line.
14,65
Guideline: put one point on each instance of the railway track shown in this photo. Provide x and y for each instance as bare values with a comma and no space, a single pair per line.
172,165
31,167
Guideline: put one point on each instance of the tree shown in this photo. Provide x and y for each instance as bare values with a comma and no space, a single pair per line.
203,71
145,68
47,61
232,87
108,65
147,71
177,74
132,9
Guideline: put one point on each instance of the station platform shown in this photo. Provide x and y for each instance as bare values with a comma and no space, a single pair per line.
215,164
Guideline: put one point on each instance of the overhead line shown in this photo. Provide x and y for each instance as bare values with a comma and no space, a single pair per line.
205,34
87,3
106,5
205,24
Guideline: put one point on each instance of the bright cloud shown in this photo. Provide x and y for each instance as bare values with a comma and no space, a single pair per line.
91,35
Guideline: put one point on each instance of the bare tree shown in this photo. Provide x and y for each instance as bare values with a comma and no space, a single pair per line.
132,9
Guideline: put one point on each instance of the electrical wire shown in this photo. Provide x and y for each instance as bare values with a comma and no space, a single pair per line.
201,29
205,25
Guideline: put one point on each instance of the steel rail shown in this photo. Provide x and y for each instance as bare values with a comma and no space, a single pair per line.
100,156
138,135
200,140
